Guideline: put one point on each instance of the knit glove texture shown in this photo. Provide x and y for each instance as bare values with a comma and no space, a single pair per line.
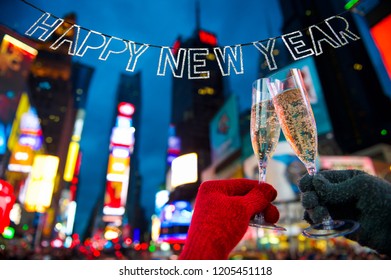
222,212
353,195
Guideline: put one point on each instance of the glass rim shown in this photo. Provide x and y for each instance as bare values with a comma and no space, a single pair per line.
260,85
286,70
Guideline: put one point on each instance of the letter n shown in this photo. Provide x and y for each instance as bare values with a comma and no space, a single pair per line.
176,65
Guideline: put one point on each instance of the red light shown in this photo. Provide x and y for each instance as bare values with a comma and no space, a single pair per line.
144,246
126,109
380,33
176,247
207,38
96,253
176,46
72,190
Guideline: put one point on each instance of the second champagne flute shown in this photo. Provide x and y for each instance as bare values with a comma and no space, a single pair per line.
297,122
265,133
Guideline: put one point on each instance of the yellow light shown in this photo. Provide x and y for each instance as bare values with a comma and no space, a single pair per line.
76,138
184,170
357,66
20,44
73,152
109,235
301,238
206,90
274,240
23,107
41,183
117,166
155,228
211,56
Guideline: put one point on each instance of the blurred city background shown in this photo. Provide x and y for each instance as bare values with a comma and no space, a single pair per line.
105,163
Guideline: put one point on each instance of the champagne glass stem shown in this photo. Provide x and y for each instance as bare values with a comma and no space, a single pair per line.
262,171
327,221
261,178
311,169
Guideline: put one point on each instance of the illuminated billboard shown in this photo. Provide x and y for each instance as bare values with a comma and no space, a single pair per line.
21,159
380,33
348,162
25,138
184,170
175,220
40,183
224,131
118,167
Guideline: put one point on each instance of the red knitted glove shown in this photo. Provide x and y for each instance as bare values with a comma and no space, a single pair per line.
223,209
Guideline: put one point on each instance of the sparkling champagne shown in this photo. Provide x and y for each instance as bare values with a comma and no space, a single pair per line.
265,130
299,124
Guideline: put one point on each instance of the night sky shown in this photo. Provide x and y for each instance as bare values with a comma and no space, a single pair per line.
157,23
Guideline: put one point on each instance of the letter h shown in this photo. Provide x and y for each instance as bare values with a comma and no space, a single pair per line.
47,28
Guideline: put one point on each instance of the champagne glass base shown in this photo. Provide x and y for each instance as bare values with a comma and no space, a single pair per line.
267,226
337,228
259,222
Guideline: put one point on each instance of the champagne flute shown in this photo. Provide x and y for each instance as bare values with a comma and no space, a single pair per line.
297,122
265,133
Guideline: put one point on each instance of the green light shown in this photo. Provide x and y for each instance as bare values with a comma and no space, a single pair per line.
25,227
350,4
8,233
152,248
384,132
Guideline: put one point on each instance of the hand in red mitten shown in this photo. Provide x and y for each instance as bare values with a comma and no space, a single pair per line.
223,209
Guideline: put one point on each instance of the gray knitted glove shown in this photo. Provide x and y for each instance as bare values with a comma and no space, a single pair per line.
353,195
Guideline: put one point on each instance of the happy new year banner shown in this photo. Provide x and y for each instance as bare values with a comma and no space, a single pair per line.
333,31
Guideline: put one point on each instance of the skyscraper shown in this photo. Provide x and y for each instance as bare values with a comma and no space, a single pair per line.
129,91
196,101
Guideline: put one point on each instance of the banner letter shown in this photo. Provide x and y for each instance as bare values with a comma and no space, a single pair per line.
135,54
107,51
267,52
47,28
295,46
322,37
84,47
193,55
63,39
342,33
229,57
176,66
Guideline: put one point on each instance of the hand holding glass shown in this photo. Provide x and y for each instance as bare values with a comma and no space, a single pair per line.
297,122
